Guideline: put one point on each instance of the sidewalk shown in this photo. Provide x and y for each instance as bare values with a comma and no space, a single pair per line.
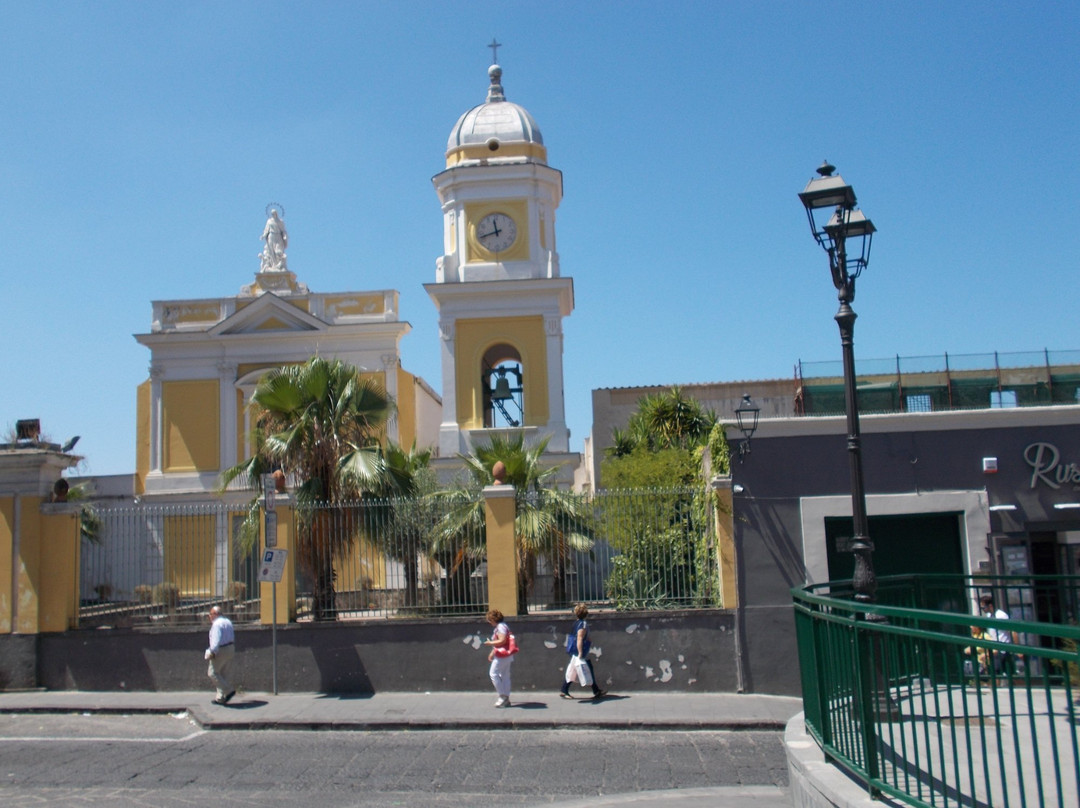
415,711
463,711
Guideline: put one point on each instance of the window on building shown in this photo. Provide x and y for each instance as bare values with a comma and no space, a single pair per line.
1002,399
919,402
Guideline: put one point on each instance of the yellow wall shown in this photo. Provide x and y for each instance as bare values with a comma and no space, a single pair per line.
473,338
142,435
58,602
28,565
7,540
480,151
189,553
190,425
406,406
241,436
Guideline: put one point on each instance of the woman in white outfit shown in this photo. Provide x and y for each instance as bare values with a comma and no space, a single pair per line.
501,658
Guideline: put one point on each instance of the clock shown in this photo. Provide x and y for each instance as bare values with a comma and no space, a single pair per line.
496,232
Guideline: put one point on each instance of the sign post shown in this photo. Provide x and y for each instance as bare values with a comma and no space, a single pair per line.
271,570
273,560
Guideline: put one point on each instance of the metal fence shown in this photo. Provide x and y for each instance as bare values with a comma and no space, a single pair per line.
381,558
624,549
391,557
164,564
929,705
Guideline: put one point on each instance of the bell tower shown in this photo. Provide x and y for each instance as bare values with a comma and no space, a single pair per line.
500,296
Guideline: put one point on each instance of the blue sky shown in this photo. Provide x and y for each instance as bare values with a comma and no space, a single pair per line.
140,143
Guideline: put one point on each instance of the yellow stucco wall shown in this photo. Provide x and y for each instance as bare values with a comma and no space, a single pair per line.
241,436
473,338
58,600
142,435
7,536
406,405
190,425
28,566
189,553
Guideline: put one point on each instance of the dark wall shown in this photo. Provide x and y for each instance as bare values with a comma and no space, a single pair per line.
18,661
783,469
671,651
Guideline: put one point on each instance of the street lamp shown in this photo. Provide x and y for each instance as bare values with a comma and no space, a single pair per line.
746,416
821,195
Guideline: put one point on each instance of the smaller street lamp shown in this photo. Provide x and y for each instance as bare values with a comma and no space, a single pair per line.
746,416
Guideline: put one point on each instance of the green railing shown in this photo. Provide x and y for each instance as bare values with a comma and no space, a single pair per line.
927,706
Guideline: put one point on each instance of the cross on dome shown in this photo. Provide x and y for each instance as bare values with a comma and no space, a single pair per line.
495,45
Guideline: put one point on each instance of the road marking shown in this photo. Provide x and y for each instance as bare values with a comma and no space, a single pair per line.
98,739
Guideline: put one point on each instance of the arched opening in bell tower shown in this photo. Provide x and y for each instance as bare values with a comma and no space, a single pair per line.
504,391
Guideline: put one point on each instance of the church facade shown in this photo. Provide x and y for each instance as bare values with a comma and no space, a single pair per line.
207,355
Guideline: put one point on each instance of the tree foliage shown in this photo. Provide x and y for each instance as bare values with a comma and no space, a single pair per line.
320,423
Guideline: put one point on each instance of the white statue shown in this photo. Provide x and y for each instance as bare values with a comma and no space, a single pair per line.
272,258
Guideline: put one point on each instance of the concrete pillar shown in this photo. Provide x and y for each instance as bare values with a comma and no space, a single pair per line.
502,578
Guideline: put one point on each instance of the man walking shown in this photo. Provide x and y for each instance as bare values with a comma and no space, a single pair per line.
220,654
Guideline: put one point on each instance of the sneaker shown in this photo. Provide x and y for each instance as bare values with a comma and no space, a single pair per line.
566,696
499,701
228,696
218,701
599,694
502,703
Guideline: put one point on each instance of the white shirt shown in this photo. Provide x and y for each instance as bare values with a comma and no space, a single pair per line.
221,633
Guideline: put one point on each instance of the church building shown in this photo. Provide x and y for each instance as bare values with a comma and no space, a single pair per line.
207,355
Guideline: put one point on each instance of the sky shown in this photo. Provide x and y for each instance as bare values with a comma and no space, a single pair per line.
140,143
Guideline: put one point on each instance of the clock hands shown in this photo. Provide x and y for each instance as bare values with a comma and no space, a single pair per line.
494,232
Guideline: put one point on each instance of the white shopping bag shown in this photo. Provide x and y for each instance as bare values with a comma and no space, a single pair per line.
584,675
571,671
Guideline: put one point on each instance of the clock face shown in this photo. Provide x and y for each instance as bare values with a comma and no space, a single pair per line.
496,232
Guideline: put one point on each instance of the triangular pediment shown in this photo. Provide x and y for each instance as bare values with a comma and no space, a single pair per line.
268,313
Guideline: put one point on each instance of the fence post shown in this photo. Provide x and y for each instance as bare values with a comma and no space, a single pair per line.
286,590
502,578
35,553
723,517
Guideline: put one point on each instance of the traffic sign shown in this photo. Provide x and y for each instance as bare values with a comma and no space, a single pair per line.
273,565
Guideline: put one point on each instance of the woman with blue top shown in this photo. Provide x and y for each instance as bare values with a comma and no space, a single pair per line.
577,645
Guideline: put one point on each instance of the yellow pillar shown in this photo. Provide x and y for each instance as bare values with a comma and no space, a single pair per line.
502,579
7,555
723,515
58,592
38,541
286,588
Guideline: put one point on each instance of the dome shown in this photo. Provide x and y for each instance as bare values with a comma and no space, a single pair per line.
495,131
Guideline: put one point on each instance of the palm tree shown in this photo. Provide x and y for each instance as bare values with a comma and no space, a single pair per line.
548,523
319,422
406,515
671,420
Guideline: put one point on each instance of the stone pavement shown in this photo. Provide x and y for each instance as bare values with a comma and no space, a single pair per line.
473,710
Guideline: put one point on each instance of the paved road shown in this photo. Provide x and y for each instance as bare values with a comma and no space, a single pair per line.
165,761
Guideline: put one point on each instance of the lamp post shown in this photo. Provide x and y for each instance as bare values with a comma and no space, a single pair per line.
746,416
824,193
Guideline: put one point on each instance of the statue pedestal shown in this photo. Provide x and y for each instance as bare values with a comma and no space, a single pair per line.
280,282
